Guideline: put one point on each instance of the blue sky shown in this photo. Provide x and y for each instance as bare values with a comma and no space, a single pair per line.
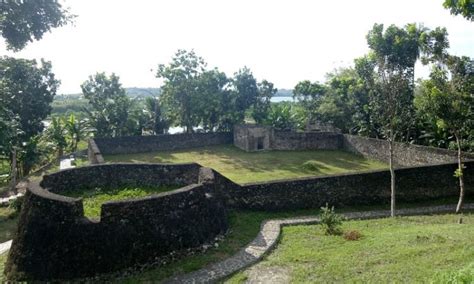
281,41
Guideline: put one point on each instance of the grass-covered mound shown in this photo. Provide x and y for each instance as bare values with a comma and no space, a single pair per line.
94,198
392,250
244,167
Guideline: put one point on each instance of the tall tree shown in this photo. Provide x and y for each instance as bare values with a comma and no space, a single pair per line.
309,95
447,96
395,54
461,7
245,90
109,104
155,120
22,22
180,78
261,107
56,134
76,130
26,92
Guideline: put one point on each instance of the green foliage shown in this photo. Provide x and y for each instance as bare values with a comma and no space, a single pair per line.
461,7
26,92
262,104
22,22
56,134
330,221
109,105
284,116
193,96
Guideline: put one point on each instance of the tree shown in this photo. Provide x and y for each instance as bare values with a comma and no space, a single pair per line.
245,90
155,120
211,89
26,92
461,7
262,104
24,21
309,95
391,98
76,130
450,103
109,104
396,50
180,79
56,134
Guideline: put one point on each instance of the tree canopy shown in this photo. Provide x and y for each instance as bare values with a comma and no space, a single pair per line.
464,8
22,22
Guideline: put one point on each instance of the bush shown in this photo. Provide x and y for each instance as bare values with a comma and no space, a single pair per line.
330,221
352,235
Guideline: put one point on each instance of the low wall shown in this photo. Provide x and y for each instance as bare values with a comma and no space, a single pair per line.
55,241
405,154
93,153
141,144
290,140
121,174
369,188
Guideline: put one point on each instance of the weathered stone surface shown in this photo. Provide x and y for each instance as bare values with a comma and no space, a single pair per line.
405,154
290,140
142,144
369,188
122,174
55,241
93,153
250,137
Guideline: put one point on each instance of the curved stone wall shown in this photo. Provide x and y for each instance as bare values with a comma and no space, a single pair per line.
55,241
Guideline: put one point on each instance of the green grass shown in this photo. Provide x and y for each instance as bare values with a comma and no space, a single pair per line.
244,167
400,250
8,221
95,197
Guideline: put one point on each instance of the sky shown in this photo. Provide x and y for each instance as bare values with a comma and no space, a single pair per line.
281,41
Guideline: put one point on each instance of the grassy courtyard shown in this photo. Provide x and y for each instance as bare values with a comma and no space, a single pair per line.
392,250
244,167
94,198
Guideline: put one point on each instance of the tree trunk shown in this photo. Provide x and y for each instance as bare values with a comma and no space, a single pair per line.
392,178
13,171
461,176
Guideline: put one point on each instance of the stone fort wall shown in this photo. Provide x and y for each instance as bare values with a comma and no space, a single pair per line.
55,241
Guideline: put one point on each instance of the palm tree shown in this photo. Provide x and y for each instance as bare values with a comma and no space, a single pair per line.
56,134
76,130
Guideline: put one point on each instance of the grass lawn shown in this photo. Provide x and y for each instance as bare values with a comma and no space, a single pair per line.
244,167
94,198
401,250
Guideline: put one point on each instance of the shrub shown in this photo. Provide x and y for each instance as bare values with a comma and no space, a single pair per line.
352,235
330,221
